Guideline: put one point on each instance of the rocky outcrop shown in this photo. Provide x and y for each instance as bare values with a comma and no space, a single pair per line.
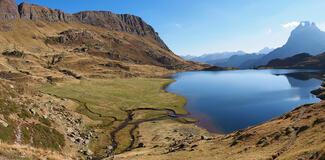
72,36
119,22
106,19
320,93
35,12
8,10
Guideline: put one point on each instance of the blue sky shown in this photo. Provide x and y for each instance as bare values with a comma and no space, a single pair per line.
205,26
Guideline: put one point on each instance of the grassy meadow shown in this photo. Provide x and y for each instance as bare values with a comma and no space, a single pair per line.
108,100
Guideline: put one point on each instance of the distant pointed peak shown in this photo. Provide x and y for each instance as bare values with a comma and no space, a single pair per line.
307,24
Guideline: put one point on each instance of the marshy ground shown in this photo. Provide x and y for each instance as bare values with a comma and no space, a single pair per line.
117,107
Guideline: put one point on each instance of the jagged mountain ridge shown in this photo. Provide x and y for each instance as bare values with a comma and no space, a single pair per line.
106,19
306,38
143,46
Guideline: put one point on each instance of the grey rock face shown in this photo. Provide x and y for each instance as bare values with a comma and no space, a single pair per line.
35,12
8,10
106,19
119,22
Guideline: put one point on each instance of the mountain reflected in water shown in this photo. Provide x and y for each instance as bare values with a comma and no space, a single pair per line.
226,101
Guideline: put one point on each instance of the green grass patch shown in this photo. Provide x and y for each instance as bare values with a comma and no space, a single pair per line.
7,107
111,97
24,114
104,99
45,121
123,138
42,137
7,134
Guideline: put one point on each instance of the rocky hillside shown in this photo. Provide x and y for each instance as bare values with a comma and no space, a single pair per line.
106,19
120,37
299,61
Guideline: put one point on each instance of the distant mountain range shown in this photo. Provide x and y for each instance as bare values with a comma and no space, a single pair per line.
239,59
299,61
213,56
305,38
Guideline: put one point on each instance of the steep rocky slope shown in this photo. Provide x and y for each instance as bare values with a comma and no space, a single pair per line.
35,12
306,38
119,37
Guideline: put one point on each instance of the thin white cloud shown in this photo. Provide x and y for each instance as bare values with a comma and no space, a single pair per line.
291,25
321,26
178,26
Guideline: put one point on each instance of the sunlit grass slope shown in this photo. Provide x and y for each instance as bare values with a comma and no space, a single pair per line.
112,97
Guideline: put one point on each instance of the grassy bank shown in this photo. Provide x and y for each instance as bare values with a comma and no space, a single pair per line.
112,97
110,100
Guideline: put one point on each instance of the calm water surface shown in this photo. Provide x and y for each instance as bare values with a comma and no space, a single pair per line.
226,101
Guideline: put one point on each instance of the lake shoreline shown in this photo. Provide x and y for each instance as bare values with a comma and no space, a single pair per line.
206,124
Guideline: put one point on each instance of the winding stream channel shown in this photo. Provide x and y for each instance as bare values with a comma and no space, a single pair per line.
170,114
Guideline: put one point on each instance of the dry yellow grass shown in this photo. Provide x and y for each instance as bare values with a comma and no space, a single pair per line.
24,152
307,144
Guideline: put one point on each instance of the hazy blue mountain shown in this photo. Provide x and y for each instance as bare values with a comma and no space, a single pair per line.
265,50
306,38
242,60
239,59
188,57
214,57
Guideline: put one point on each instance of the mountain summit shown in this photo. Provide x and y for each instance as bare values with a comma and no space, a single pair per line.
122,37
306,38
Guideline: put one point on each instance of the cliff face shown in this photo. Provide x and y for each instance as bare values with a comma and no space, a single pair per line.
141,46
35,12
119,22
106,19
8,10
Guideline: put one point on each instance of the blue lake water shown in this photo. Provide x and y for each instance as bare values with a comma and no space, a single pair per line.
226,101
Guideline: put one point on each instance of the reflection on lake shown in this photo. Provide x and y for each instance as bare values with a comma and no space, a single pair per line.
225,101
